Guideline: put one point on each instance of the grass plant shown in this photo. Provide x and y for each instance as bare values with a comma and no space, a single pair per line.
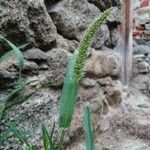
70,89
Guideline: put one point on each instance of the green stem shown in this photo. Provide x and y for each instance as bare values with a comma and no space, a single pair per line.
62,139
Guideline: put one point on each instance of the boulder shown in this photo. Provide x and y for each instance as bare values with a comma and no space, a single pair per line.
7,78
27,21
105,81
114,93
41,108
142,82
105,4
142,15
102,64
72,18
87,82
113,39
116,16
143,67
101,36
57,61
35,54
141,49
68,45
147,26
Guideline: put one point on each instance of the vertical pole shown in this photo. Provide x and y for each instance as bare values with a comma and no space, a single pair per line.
127,27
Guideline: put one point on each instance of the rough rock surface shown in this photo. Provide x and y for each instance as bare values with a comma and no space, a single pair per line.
73,17
53,29
142,15
141,49
27,21
127,126
57,61
33,115
68,45
35,54
44,104
102,64
141,66
104,4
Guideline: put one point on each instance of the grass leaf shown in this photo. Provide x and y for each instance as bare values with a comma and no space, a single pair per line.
10,53
21,137
6,56
88,125
52,132
14,99
17,52
74,72
144,105
7,133
69,95
47,141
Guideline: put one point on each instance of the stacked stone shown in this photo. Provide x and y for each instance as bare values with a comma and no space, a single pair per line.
141,57
53,30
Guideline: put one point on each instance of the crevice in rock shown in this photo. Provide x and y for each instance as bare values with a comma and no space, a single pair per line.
61,32
105,4
50,3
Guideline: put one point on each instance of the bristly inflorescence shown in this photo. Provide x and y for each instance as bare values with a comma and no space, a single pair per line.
86,42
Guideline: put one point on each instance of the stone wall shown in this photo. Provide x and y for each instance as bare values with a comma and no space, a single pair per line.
53,30
141,47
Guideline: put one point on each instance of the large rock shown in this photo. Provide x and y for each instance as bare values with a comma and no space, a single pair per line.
143,67
141,49
116,16
27,21
57,61
35,54
38,109
101,36
142,15
7,78
142,82
113,39
87,82
102,64
114,93
73,17
141,64
68,45
104,4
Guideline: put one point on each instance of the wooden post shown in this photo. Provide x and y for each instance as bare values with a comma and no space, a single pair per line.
127,27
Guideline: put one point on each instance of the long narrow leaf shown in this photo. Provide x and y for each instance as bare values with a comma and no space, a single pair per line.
5,135
88,125
17,90
23,45
144,105
6,56
11,100
52,131
74,72
69,95
20,136
47,141
10,53
17,52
